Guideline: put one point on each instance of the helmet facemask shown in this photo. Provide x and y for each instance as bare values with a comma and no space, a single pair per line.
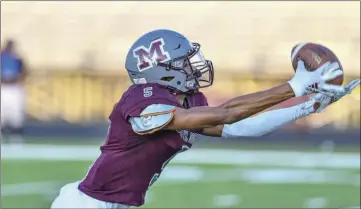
199,71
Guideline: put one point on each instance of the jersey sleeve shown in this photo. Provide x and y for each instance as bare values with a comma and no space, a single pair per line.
140,96
147,107
153,118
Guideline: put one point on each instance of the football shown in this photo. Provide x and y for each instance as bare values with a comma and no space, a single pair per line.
315,55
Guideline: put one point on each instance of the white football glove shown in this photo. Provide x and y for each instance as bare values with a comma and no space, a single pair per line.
302,81
322,99
325,100
347,89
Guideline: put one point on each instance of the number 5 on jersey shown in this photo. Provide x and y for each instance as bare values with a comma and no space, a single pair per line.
148,92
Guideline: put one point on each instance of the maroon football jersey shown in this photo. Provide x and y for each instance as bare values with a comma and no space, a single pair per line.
129,163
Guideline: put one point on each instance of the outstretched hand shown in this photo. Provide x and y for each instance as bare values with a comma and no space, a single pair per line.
333,94
303,80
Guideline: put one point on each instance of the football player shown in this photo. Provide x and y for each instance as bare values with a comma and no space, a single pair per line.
164,111
13,97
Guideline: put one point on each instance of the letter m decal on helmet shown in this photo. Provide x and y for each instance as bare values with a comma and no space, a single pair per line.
147,57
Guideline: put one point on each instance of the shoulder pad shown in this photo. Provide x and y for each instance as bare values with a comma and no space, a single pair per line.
153,118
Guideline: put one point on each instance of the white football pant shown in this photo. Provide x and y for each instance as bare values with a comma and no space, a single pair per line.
71,197
12,106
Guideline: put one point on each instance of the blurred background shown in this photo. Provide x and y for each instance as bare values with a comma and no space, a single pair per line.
70,60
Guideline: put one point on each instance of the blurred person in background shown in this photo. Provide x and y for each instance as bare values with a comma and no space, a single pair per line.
13,73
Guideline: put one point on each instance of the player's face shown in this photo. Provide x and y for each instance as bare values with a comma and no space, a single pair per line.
199,70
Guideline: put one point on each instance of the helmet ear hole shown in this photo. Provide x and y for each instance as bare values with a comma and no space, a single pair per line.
168,78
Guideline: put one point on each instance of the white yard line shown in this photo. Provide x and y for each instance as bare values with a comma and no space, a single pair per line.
194,156
228,200
44,188
185,174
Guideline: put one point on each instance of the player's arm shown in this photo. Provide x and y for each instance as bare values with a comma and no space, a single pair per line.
167,117
251,104
268,121
157,117
250,126
236,109
271,120
263,123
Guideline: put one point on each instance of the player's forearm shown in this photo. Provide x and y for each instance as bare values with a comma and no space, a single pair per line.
200,117
247,105
267,122
230,112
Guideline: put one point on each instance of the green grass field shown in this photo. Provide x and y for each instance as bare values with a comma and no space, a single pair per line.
202,178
